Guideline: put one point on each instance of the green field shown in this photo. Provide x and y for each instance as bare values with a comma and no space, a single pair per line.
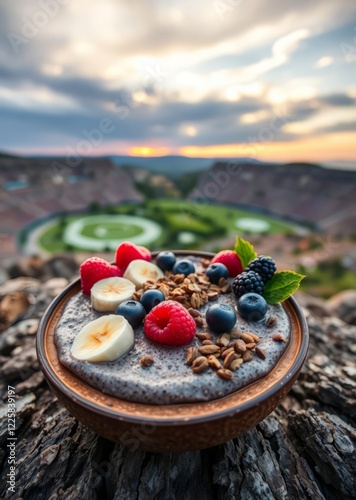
206,221
226,216
51,239
110,230
182,222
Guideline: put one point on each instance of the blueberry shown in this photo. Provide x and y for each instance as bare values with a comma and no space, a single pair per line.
133,311
220,318
151,298
184,266
166,260
217,271
252,306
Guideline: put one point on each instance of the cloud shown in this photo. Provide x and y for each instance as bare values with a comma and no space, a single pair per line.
281,51
286,45
324,62
323,120
172,124
337,100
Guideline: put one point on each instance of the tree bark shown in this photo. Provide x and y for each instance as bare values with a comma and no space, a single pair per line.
304,449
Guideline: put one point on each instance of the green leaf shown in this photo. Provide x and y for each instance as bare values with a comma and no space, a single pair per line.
281,286
245,251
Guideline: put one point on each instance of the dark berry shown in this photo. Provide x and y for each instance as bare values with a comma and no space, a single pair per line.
252,306
166,260
184,266
151,298
217,271
264,266
247,282
133,311
220,318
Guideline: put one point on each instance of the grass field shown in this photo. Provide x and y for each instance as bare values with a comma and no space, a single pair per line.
226,216
207,222
183,222
51,240
111,230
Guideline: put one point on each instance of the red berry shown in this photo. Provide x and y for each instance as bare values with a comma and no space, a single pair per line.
169,323
96,269
146,254
230,259
127,252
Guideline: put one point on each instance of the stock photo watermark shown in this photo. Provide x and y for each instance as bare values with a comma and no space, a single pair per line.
94,137
349,49
126,102
91,138
32,25
328,246
11,439
223,7
220,180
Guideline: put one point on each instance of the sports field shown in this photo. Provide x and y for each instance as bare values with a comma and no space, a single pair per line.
187,213
156,224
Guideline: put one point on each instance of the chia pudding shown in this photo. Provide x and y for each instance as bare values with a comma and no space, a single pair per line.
169,380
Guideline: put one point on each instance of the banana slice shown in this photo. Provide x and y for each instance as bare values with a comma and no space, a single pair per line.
104,339
108,293
139,271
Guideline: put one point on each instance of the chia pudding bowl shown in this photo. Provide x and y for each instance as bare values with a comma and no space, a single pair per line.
168,406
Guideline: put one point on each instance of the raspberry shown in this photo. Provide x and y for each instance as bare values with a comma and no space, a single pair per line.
96,269
127,252
247,282
264,266
169,323
230,259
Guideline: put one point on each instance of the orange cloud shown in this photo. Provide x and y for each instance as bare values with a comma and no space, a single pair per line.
327,147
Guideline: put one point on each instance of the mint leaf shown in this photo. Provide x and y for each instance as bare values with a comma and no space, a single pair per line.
244,251
281,286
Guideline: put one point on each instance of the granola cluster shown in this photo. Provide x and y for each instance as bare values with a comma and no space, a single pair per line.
192,291
224,355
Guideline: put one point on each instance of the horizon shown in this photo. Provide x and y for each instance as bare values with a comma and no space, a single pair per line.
331,164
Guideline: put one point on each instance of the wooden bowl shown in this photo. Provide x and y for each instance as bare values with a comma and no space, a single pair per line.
170,428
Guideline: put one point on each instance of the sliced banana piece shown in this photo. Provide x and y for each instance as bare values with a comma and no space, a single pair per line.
108,293
139,271
104,339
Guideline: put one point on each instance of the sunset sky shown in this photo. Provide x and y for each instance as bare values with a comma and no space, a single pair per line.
274,80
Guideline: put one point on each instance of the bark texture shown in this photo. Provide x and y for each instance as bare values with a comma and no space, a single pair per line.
304,449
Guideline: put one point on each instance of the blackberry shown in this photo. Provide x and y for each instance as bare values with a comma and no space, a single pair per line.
264,266
247,282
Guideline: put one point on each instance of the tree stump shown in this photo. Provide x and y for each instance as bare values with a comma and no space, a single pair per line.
304,449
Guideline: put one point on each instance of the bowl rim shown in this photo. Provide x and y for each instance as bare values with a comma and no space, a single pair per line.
52,378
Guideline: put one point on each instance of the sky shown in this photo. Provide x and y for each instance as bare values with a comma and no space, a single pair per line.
273,80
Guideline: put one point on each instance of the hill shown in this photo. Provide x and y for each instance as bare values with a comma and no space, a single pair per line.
171,166
301,192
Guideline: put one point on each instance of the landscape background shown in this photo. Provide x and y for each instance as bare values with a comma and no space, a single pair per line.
302,214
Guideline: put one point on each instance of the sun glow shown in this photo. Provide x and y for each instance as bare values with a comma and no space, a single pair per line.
147,151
